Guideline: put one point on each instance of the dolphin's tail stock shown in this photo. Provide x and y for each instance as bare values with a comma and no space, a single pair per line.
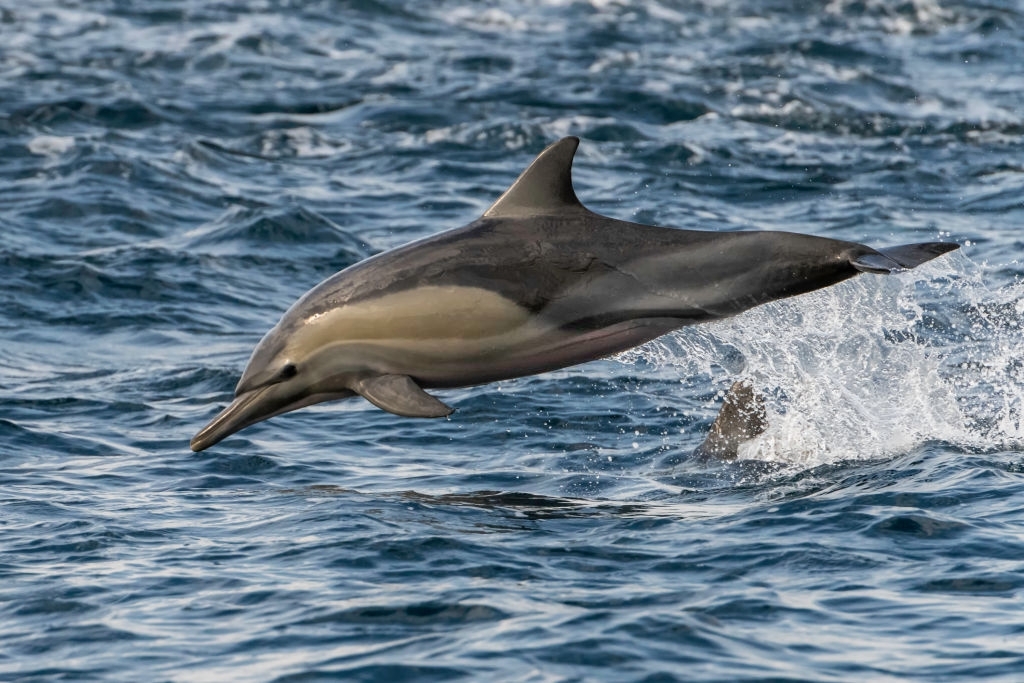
905,257
742,418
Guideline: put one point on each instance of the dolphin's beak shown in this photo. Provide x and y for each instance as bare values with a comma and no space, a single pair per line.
247,408
257,405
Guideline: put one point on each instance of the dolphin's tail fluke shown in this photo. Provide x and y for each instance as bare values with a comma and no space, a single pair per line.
742,418
905,257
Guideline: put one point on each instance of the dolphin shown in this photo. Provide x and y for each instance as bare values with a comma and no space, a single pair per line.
538,282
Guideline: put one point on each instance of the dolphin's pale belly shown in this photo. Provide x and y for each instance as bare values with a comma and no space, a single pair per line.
448,314
458,336
424,332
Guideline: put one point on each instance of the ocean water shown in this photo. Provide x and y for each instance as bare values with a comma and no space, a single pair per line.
175,173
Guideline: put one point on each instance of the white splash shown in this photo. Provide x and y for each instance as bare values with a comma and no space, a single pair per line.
873,367
51,146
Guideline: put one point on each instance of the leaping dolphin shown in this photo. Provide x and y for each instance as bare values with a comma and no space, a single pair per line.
538,282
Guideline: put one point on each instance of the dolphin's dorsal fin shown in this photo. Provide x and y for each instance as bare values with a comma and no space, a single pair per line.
742,418
544,188
400,395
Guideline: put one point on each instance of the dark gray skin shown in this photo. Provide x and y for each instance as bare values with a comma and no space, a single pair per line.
537,283
741,418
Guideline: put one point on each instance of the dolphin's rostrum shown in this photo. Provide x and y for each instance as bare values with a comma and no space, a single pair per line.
538,282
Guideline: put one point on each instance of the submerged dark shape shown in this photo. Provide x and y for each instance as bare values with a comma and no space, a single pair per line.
742,417
539,282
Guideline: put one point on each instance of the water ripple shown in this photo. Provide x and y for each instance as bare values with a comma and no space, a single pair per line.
175,174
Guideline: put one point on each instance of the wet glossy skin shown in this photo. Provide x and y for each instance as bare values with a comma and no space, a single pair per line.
504,296
538,283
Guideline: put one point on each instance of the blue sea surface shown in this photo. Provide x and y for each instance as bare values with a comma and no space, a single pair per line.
175,173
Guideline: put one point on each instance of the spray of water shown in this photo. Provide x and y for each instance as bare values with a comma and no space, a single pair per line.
874,367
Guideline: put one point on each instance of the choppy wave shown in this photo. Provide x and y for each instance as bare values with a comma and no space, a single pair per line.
174,175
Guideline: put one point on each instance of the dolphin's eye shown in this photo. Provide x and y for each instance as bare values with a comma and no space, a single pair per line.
288,371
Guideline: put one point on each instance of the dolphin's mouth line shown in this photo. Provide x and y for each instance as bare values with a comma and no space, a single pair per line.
235,417
255,406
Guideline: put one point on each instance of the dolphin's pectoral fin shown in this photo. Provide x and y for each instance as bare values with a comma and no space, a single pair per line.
742,418
400,395
904,257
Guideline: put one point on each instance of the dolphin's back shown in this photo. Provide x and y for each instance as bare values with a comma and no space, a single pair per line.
585,271
551,254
